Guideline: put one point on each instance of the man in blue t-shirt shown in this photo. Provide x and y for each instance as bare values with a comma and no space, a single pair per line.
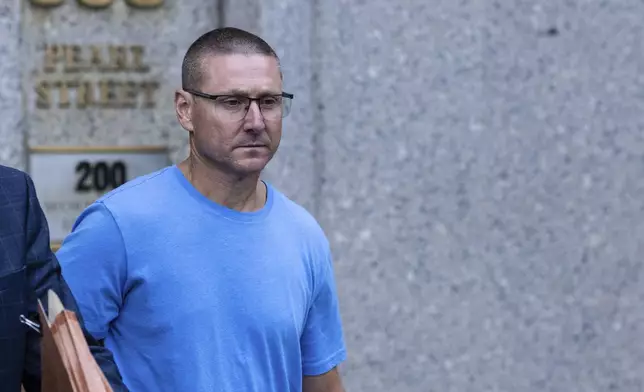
200,276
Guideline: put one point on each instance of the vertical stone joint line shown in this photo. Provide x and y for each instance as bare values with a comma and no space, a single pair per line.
317,115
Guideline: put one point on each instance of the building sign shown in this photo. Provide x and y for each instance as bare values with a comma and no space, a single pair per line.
68,179
70,77
99,75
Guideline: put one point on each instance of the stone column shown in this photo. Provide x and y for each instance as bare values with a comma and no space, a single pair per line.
11,97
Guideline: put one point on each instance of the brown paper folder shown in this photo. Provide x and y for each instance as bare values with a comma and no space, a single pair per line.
67,363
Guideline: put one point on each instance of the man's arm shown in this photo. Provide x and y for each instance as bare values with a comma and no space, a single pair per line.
327,382
43,274
322,341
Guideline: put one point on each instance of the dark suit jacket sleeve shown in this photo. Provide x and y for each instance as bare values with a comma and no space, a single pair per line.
44,273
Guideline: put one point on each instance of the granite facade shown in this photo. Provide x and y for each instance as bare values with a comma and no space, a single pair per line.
475,165
12,131
478,166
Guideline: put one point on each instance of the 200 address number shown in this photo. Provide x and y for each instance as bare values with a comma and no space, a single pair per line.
100,176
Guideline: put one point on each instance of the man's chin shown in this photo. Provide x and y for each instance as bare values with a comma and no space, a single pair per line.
251,165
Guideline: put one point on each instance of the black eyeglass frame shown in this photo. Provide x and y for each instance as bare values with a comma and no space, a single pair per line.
215,97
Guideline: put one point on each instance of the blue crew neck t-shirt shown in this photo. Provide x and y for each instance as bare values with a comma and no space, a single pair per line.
192,296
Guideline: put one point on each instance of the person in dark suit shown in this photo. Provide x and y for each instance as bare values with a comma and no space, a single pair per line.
28,269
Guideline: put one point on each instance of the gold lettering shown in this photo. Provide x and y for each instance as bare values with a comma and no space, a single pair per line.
148,91
47,3
144,3
108,96
63,92
108,93
100,3
52,55
128,94
73,61
113,58
44,99
96,59
137,59
96,3
85,95
118,59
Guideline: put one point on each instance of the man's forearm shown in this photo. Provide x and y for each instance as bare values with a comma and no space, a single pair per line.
105,361
102,355
327,382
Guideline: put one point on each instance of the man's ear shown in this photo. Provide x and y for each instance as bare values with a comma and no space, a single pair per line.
183,106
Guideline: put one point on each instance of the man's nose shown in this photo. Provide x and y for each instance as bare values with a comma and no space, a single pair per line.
254,117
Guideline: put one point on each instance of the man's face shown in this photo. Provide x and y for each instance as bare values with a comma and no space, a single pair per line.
238,143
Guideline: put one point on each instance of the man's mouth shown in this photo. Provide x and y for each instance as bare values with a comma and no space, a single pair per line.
252,145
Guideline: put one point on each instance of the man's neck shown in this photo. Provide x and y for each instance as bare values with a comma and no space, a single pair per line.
244,194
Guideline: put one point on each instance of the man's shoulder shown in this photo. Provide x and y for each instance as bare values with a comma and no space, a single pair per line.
13,178
10,172
14,210
300,218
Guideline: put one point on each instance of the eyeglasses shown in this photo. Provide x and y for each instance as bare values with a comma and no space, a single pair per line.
235,107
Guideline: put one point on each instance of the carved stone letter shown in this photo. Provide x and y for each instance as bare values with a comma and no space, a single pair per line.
96,3
144,3
47,3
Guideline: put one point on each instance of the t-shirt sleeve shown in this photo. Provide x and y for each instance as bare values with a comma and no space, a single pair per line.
93,262
322,341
